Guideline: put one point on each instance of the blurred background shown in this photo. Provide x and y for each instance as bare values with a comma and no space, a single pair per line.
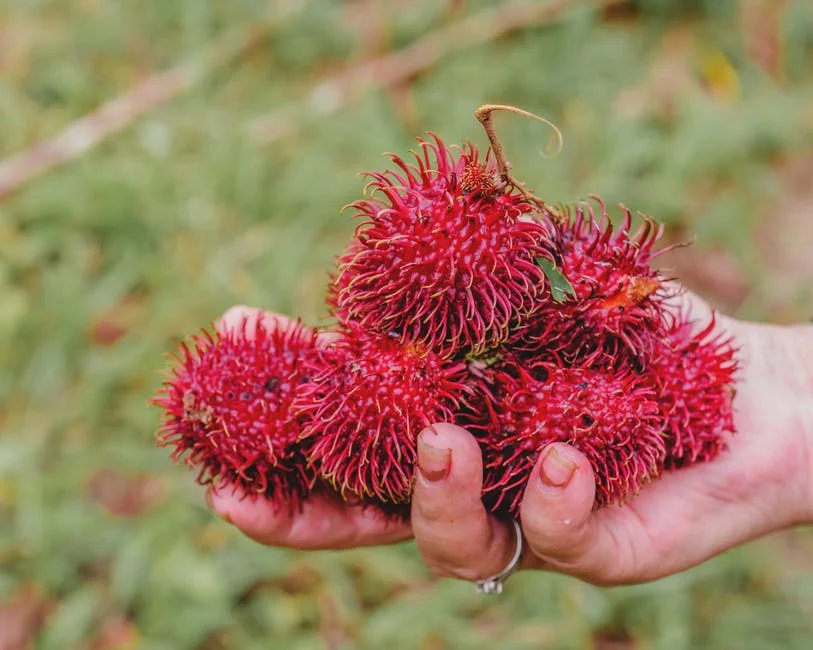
162,160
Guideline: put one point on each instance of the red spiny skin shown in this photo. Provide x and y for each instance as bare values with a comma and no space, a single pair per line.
227,409
695,370
618,307
441,257
613,419
367,400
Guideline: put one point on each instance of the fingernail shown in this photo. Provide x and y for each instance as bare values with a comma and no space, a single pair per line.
557,469
434,463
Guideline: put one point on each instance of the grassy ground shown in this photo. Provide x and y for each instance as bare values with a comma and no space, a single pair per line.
696,112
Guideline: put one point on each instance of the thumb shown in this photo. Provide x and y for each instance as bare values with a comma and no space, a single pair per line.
454,533
557,515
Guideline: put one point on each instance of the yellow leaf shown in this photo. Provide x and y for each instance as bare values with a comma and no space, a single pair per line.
719,77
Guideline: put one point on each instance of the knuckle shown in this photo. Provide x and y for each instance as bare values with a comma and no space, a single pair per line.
564,545
450,557
456,569
430,510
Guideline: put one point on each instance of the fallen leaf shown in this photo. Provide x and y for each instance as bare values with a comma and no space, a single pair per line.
113,323
762,26
613,641
116,633
720,78
22,617
124,496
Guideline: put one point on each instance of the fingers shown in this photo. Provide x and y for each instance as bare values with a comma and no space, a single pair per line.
697,309
323,523
683,299
557,507
454,533
248,317
633,543
561,527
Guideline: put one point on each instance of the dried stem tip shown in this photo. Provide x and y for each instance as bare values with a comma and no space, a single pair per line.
484,116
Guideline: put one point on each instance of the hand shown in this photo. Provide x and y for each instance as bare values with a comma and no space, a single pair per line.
761,484
324,522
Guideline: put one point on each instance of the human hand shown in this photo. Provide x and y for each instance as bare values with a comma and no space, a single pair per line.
761,484
324,522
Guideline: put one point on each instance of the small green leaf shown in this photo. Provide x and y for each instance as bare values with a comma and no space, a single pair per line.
560,287
484,359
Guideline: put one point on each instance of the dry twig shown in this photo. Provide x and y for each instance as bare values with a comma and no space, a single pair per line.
116,114
483,115
395,68
326,98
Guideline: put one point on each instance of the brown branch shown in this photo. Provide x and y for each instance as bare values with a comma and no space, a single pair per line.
334,93
326,98
483,115
113,116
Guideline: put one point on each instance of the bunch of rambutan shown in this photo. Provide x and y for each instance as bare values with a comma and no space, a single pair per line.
460,298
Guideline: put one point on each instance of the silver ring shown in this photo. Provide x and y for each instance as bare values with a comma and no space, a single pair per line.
493,585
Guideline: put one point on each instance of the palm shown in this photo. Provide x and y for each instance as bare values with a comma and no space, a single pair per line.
760,484
694,513
324,521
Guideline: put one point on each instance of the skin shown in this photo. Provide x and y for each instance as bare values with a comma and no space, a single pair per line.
763,483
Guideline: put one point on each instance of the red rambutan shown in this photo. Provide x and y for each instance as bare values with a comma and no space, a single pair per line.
617,302
227,409
694,370
442,257
612,418
366,402
461,298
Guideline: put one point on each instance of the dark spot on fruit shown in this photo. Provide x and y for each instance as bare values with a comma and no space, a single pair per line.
229,394
271,383
245,396
587,419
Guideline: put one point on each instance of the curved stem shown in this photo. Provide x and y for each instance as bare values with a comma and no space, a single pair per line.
484,116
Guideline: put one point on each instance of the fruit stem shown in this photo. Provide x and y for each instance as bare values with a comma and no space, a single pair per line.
484,116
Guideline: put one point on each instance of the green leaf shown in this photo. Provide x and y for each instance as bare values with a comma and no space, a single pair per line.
560,287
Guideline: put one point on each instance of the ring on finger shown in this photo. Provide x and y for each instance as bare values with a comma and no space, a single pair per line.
494,584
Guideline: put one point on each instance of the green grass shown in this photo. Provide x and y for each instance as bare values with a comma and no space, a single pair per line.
183,214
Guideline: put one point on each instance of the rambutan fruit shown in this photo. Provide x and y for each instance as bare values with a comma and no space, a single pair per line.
227,408
694,370
616,307
611,417
366,402
442,257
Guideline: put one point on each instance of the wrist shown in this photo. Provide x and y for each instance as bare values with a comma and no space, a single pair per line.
797,344
775,407
804,349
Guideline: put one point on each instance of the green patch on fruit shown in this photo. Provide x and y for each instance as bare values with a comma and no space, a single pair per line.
560,287
486,359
